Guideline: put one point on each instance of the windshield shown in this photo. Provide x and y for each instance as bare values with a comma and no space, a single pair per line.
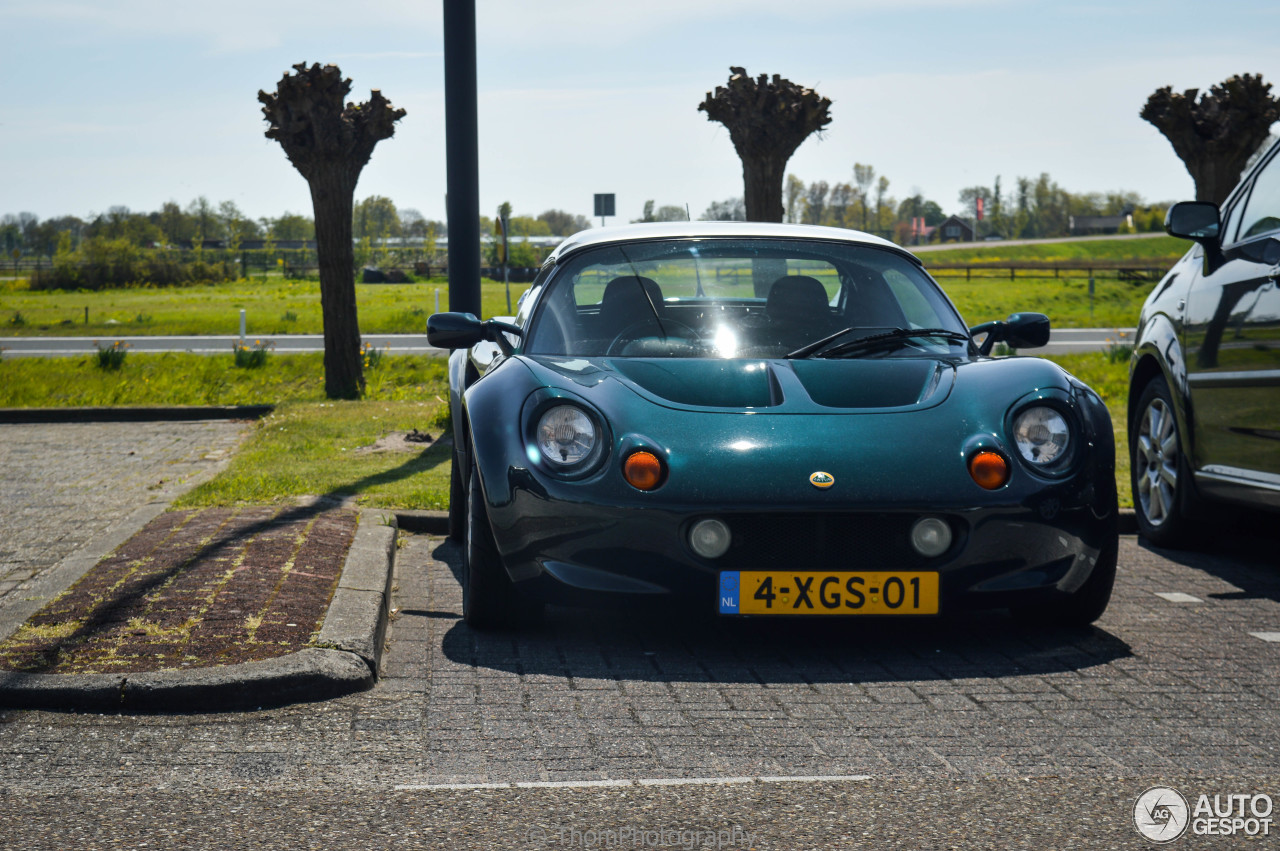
740,298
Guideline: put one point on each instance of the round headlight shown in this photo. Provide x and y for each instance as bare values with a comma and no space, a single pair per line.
1042,435
565,435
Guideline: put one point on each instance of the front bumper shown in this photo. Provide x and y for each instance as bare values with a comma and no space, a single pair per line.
586,554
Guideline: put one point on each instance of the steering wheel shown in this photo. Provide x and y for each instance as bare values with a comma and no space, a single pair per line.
675,329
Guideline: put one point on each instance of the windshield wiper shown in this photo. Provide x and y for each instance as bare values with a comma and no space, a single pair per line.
823,347
809,348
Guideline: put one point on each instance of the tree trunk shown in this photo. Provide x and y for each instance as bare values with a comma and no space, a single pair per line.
762,187
1215,177
332,191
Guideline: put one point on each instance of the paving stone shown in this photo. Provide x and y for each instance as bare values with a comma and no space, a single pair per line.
1136,696
65,483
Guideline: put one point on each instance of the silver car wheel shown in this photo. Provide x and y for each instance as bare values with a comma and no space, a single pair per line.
1157,463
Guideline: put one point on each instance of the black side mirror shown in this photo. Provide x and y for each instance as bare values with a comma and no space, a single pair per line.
464,330
1019,331
1195,220
1026,330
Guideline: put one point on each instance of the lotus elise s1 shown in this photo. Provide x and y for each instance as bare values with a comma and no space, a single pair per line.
769,420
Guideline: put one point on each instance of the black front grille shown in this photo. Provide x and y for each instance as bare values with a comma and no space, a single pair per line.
823,541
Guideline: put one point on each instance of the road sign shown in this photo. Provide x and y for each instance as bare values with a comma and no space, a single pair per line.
604,205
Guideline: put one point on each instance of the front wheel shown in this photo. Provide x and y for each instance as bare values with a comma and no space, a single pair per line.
1158,470
488,599
457,500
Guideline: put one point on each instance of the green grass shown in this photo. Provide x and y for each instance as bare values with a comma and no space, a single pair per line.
186,379
1116,304
1160,250
272,307
314,448
308,446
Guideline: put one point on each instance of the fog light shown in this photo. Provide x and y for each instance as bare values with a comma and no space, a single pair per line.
710,538
931,536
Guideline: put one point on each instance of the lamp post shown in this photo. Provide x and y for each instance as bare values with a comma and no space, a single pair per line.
462,159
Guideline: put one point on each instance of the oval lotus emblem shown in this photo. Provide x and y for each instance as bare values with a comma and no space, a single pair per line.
822,480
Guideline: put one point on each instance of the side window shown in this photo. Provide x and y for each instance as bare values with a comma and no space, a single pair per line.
1262,208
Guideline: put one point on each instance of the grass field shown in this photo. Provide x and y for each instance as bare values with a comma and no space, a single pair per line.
323,449
308,446
1116,304
293,307
1160,250
276,306
272,307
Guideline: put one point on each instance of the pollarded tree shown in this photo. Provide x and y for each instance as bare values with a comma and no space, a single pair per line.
329,145
1216,135
767,121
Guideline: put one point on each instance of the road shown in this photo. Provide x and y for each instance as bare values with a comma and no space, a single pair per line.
653,728
1061,341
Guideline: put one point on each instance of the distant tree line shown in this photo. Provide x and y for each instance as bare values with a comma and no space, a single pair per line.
1037,207
376,218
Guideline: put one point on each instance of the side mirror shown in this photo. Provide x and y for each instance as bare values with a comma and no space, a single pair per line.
1195,220
1020,331
1026,330
454,330
464,330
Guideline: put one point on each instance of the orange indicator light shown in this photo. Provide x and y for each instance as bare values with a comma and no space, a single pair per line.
642,470
989,470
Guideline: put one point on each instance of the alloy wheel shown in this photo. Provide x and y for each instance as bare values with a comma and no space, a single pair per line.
1157,463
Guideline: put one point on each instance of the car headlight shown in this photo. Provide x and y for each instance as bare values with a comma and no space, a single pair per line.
1042,435
565,435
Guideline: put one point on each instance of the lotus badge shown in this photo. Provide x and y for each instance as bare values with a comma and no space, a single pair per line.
822,480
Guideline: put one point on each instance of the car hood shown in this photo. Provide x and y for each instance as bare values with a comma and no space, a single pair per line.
774,386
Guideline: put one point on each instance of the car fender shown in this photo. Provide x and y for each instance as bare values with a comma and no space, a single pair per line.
492,424
1159,352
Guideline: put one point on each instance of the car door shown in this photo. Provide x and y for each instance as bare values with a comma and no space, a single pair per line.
1232,339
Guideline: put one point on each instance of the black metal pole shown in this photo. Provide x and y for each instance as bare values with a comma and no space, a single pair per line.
461,133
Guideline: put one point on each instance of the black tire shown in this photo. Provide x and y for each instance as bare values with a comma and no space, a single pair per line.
1158,470
457,501
488,599
1084,605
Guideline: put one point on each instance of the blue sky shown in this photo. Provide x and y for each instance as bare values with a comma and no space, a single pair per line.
137,102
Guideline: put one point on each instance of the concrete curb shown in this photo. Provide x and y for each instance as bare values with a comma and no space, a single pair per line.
134,415
351,639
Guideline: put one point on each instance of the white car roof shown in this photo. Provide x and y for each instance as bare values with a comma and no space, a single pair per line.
688,230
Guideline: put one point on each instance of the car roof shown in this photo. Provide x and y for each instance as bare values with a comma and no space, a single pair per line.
722,230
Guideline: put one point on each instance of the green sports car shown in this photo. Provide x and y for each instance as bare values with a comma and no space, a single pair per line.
769,420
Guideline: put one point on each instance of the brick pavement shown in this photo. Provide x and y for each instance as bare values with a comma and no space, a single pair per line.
1158,690
64,483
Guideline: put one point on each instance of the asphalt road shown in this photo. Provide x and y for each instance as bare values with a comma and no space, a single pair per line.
678,730
1061,341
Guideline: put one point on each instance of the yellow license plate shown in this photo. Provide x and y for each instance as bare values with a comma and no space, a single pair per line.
787,592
